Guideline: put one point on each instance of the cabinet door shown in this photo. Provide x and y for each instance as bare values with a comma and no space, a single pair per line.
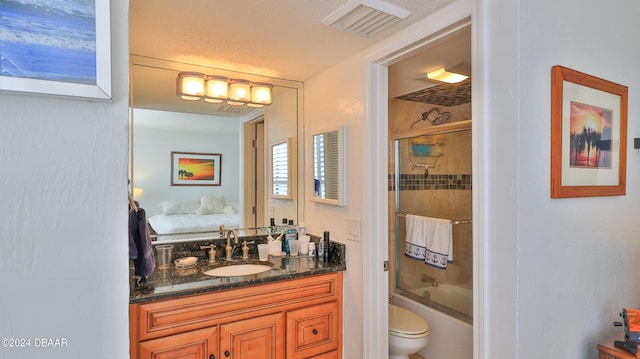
313,331
329,355
197,344
255,338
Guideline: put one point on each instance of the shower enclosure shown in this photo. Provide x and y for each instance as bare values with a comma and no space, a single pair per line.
432,178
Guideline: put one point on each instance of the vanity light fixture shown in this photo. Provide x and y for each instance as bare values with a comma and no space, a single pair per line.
239,92
190,85
217,89
261,93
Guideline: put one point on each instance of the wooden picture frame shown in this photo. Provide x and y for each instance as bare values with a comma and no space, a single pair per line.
56,52
196,169
588,135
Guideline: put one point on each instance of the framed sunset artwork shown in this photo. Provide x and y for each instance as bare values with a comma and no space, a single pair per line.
195,169
588,135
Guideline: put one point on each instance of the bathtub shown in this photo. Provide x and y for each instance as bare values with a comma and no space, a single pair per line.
446,333
457,298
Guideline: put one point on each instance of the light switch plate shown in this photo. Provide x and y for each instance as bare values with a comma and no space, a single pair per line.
353,229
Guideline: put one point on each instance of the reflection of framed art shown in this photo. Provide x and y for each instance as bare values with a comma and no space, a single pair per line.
56,48
195,169
588,135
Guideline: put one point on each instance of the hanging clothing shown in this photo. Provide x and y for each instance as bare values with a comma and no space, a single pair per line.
140,249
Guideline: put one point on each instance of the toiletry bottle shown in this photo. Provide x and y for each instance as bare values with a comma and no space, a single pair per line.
302,230
326,246
285,239
312,249
321,250
292,232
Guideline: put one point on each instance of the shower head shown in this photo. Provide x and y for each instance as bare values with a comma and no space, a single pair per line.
440,117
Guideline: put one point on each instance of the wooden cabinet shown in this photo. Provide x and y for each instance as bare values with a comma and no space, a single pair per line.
607,350
293,319
198,344
255,338
313,330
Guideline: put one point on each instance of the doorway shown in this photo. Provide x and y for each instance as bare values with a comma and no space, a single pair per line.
375,177
254,169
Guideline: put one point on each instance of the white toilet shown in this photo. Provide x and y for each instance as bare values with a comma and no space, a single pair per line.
408,332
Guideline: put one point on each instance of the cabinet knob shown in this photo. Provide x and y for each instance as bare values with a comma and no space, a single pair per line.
315,332
226,353
212,356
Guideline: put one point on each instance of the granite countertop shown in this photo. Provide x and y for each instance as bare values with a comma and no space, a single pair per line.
172,283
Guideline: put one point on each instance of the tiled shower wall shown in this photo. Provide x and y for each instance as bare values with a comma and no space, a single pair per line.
421,181
445,192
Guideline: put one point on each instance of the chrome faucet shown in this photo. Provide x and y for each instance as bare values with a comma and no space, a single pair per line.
228,249
427,279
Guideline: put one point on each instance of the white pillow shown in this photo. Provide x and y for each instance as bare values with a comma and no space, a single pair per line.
228,210
211,205
178,207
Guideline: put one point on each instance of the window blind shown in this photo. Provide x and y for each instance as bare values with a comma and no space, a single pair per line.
280,163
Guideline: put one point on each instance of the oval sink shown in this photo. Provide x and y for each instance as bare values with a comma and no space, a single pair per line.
238,270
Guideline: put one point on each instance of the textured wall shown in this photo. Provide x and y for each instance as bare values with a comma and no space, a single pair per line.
577,258
341,106
63,218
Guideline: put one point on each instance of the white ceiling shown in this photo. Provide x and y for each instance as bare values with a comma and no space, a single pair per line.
279,39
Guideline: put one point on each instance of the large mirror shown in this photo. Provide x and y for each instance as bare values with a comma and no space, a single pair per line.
236,137
328,157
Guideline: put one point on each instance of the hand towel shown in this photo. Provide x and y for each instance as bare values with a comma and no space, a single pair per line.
430,240
140,250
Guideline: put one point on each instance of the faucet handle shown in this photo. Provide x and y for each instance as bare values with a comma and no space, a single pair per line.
212,251
245,249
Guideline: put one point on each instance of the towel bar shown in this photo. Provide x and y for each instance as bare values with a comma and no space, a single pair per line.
462,221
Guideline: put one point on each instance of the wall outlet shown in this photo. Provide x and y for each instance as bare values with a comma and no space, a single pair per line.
353,229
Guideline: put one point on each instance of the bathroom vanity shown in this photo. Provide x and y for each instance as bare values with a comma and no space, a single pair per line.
291,311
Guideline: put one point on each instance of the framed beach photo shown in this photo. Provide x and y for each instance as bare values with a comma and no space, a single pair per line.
195,169
588,135
57,48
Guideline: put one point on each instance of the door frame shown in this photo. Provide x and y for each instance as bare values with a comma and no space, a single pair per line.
375,158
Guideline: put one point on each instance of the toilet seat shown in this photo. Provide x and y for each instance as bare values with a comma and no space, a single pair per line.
406,324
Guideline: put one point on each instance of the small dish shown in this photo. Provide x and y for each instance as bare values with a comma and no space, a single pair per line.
280,254
186,262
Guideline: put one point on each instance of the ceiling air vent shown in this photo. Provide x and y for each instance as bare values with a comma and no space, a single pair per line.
365,17
232,109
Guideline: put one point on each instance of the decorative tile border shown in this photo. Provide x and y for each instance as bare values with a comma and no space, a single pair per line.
415,182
